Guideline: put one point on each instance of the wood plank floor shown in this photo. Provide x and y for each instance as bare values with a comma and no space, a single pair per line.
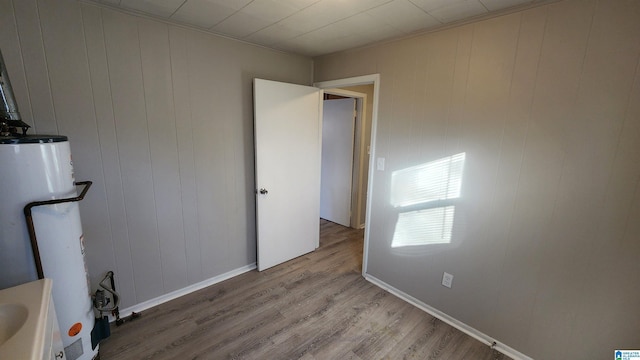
317,306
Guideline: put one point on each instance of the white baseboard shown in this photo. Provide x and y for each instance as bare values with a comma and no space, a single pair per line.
514,354
181,292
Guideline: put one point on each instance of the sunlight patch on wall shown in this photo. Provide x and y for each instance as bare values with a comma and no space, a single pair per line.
424,195
436,180
424,227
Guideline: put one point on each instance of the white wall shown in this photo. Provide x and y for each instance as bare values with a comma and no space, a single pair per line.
546,104
160,118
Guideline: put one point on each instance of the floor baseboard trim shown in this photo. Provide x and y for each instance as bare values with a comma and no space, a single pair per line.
478,335
184,291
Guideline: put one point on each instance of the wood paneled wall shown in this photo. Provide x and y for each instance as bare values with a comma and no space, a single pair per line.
546,104
160,118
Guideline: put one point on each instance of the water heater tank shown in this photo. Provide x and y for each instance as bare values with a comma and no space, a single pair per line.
38,168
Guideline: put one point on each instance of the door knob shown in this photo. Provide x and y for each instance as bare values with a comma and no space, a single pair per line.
263,191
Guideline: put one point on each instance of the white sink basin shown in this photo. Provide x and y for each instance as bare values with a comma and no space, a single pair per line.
12,317
23,318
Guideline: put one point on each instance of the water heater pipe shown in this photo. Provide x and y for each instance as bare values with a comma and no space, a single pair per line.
32,229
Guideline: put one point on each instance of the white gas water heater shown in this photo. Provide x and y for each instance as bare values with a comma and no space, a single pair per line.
40,230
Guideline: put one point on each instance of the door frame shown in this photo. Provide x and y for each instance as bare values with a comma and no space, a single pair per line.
353,81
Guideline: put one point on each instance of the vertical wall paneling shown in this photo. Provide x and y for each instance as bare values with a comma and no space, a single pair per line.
103,103
240,93
555,106
207,96
545,104
604,97
450,87
490,69
158,90
42,114
186,156
160,119
436,95
232,127
129,105
385,65
11,47
521,254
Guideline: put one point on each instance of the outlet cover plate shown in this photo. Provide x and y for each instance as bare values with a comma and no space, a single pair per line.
447,280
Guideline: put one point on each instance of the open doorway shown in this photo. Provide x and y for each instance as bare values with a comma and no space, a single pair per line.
336,170
366,143
345,154
287,194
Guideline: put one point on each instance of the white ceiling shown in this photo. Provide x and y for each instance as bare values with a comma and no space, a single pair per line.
314,27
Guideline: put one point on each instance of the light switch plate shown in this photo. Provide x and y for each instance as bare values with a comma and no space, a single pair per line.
380,164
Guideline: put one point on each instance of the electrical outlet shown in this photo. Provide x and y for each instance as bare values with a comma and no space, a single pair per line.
447,280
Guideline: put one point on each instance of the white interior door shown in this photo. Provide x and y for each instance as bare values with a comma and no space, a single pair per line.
287,145
338,123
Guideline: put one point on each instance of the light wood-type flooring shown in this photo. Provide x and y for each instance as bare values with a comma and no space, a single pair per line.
317,306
